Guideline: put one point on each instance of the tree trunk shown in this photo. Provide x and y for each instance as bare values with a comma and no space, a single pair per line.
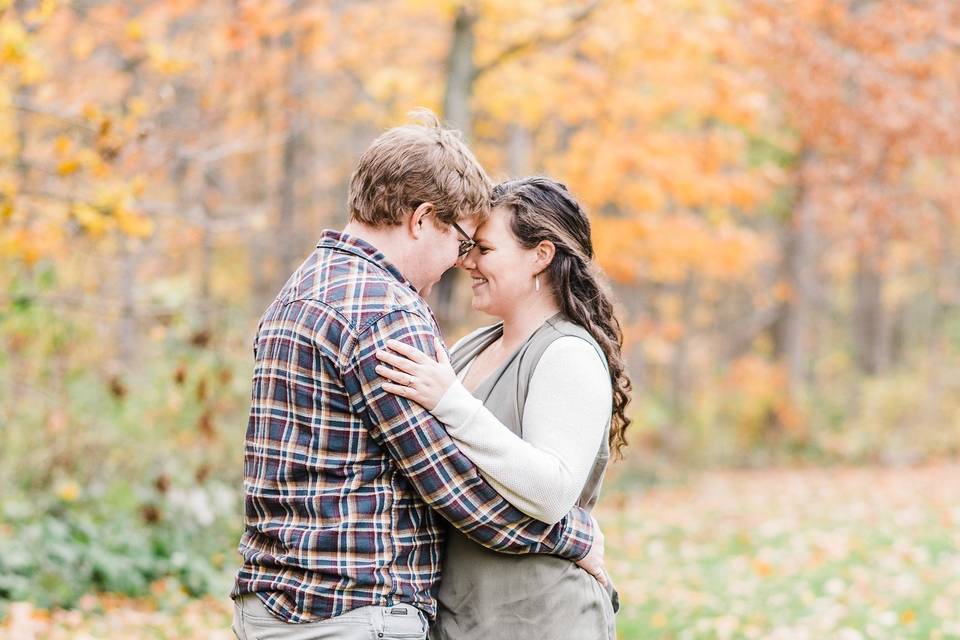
936,342
794,336
262,261
129,263
460,73
870,331
519,151
288,231
456,113
205,305
680,366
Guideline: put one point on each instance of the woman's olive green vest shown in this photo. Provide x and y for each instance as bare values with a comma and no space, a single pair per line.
493,596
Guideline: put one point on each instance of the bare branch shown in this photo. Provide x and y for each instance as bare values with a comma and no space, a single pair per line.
239,147
741,340
27,106
227,220
522,46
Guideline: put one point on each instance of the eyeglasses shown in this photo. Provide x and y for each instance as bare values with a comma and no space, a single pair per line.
466,243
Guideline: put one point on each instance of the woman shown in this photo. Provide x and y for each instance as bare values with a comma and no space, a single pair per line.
529,401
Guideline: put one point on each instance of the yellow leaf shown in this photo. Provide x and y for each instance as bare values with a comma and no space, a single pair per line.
13,49
82,46
68,167
69,491
46,9
164,62
134,30
62,145
134,224
99,168
137,106
137,185
32,71
90,111
763,569
8,192
94,222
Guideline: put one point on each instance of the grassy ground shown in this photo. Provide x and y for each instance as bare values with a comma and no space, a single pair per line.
844,554
820,554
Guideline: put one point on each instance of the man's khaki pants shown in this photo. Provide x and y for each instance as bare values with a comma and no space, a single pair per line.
253,621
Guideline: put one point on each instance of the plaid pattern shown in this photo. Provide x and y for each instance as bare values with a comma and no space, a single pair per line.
345,484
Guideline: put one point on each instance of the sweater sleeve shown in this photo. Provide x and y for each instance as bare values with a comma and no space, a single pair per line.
565,417
433,465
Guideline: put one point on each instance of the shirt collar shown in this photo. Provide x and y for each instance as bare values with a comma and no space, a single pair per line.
340,241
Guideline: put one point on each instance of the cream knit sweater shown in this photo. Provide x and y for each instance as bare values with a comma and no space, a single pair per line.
567,410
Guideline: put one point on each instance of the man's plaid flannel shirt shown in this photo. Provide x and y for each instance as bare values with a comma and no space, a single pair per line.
345,484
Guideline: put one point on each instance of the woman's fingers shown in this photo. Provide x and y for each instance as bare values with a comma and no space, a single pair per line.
394,375
399,390
396,361
404,349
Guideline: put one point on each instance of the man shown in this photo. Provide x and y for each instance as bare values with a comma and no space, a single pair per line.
345,484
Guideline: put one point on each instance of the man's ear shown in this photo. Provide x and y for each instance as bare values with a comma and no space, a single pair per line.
543,255
417,219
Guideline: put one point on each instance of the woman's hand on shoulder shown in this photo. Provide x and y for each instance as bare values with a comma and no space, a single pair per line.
414,375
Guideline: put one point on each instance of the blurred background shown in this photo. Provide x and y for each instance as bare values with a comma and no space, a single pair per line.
774,189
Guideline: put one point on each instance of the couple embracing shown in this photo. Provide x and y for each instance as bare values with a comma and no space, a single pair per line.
393,490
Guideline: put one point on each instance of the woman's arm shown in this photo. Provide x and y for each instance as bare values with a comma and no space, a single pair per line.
567,409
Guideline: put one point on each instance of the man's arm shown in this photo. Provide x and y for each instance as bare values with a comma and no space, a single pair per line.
565,417
431,461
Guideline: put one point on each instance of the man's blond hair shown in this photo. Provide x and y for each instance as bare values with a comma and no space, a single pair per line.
416,163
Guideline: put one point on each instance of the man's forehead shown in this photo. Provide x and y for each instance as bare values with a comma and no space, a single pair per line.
470,224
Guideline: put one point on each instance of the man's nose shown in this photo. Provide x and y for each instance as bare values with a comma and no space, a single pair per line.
465,261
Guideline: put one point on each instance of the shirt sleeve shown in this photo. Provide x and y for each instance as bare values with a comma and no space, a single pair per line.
565,418
446,479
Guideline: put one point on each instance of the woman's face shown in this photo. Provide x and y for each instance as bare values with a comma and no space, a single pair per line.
500,269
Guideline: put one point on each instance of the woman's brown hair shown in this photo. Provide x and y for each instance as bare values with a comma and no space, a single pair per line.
543,209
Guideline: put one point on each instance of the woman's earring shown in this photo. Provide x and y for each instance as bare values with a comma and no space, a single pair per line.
536,282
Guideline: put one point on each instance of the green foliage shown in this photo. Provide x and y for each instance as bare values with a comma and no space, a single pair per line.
115,478
54,553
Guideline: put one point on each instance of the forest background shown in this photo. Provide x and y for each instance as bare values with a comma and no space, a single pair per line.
774,188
